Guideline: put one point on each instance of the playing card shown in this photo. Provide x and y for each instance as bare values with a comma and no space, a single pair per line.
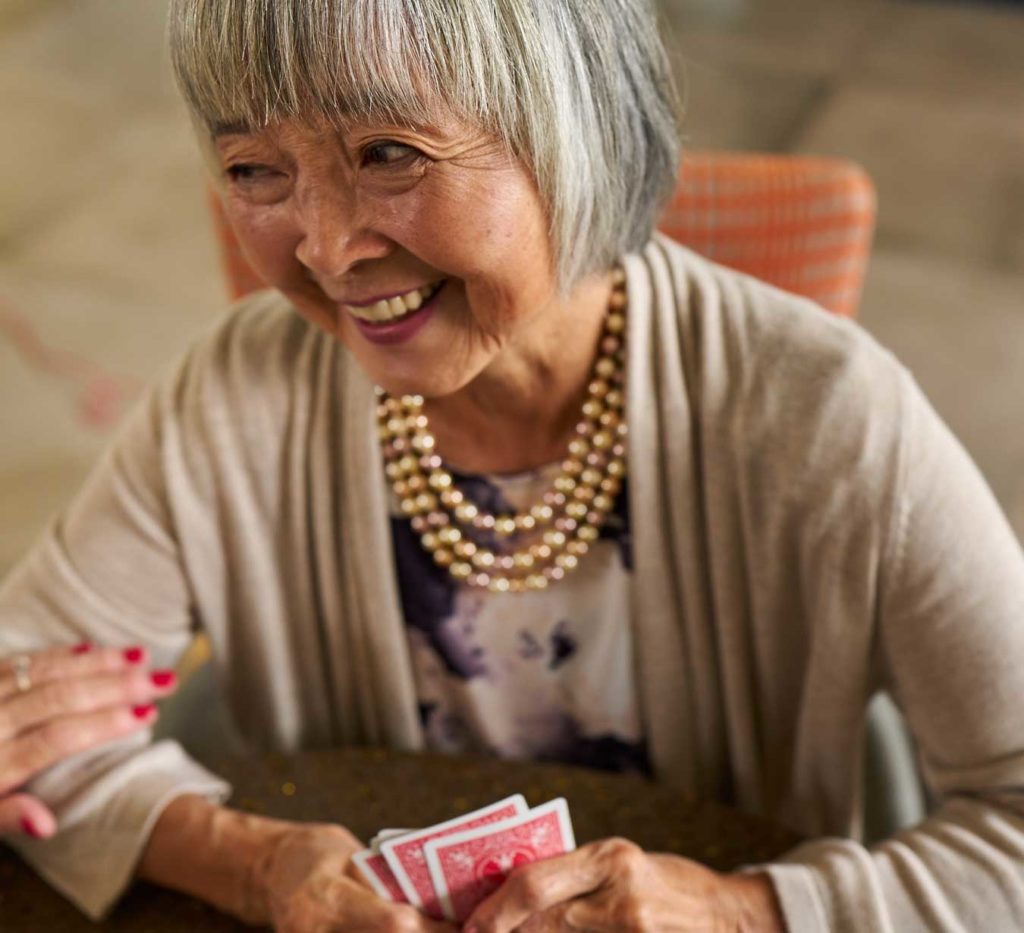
373,867
404,854
468,866
384,835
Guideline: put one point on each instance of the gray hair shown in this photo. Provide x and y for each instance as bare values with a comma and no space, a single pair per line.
580,90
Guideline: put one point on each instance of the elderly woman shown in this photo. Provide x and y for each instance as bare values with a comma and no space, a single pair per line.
395,492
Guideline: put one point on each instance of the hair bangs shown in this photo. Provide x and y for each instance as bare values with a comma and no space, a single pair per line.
249,63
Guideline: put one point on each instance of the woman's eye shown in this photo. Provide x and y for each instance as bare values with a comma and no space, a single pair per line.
390,153
244,172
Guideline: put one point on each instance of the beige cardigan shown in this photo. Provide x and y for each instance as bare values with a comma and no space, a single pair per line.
806,531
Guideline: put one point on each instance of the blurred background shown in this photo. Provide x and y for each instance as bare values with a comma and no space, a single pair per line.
108,266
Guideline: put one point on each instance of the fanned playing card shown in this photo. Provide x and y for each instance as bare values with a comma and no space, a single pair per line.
404,854
467,867
374,868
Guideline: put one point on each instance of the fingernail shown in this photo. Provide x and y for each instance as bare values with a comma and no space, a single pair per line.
29,828
84,648
143,712
163,678
133,655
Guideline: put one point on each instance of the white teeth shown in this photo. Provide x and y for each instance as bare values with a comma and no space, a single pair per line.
392,308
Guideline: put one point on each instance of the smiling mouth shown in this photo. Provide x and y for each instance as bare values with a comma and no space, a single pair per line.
394,309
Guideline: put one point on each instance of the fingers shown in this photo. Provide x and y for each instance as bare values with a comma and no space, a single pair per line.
541,886
21,813
53,664
74,695
33,751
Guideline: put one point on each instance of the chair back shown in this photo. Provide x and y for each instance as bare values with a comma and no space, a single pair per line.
804,224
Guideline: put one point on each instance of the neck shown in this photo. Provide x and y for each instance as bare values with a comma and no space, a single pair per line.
520,412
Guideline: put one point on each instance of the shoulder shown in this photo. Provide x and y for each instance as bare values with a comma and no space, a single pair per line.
781,381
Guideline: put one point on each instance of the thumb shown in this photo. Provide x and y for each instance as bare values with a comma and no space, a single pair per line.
26,815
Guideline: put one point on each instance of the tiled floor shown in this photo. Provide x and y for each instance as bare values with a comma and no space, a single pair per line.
105,250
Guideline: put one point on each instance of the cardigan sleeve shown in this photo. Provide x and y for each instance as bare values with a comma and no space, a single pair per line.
951,638
108,570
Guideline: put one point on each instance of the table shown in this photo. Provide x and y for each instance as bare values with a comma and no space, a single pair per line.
368,789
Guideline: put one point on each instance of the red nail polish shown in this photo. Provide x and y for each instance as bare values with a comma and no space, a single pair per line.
29,828
133,655
143,712
163,678
84,648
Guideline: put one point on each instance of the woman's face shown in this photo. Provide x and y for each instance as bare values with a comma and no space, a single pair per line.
343,221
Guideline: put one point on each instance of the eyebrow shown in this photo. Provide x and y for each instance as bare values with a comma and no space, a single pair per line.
231,128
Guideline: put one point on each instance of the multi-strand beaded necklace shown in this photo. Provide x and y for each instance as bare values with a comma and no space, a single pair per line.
530,549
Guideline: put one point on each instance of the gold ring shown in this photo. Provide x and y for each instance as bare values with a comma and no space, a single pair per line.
22,666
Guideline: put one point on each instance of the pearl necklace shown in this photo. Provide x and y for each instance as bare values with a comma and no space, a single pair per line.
531,549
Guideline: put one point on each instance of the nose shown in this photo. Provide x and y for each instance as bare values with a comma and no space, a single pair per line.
336,231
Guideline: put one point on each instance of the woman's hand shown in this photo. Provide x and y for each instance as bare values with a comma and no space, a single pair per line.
311,886
58,702
613,885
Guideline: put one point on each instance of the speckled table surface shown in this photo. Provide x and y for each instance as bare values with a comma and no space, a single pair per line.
368,789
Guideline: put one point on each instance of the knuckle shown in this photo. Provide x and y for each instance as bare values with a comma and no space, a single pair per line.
624,855
635,916
528,887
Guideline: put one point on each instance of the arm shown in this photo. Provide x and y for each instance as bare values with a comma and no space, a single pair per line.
107,572
951,638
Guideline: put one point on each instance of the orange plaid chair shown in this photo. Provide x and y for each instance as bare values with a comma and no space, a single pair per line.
804,224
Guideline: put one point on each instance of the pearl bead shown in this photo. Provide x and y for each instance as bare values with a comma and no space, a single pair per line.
602,440
555,499
565,484
598,388
440,480
419,524
592,408
595,518
400,444
536,581
619,450
591,477
554,539
572,466
416,422
505,525
480,579
392,471
412,401
465,548
430,462
608,419
485,521
430,541
461,570
401,488
466,512
408,464
605,367
517,586
523,560
616,468
396,425
578,447
542,513
452,497
526,522
426,502
576,510
577,547
566,561
618,302
499,585
506,562
616,323
614,398
437,519
596,458
408,507
416,483
603,503
483,559
443,557
618,276
587,533
540,552
382,412
424,442
610,345
565,525
554,573
584,493
450,535
610,485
